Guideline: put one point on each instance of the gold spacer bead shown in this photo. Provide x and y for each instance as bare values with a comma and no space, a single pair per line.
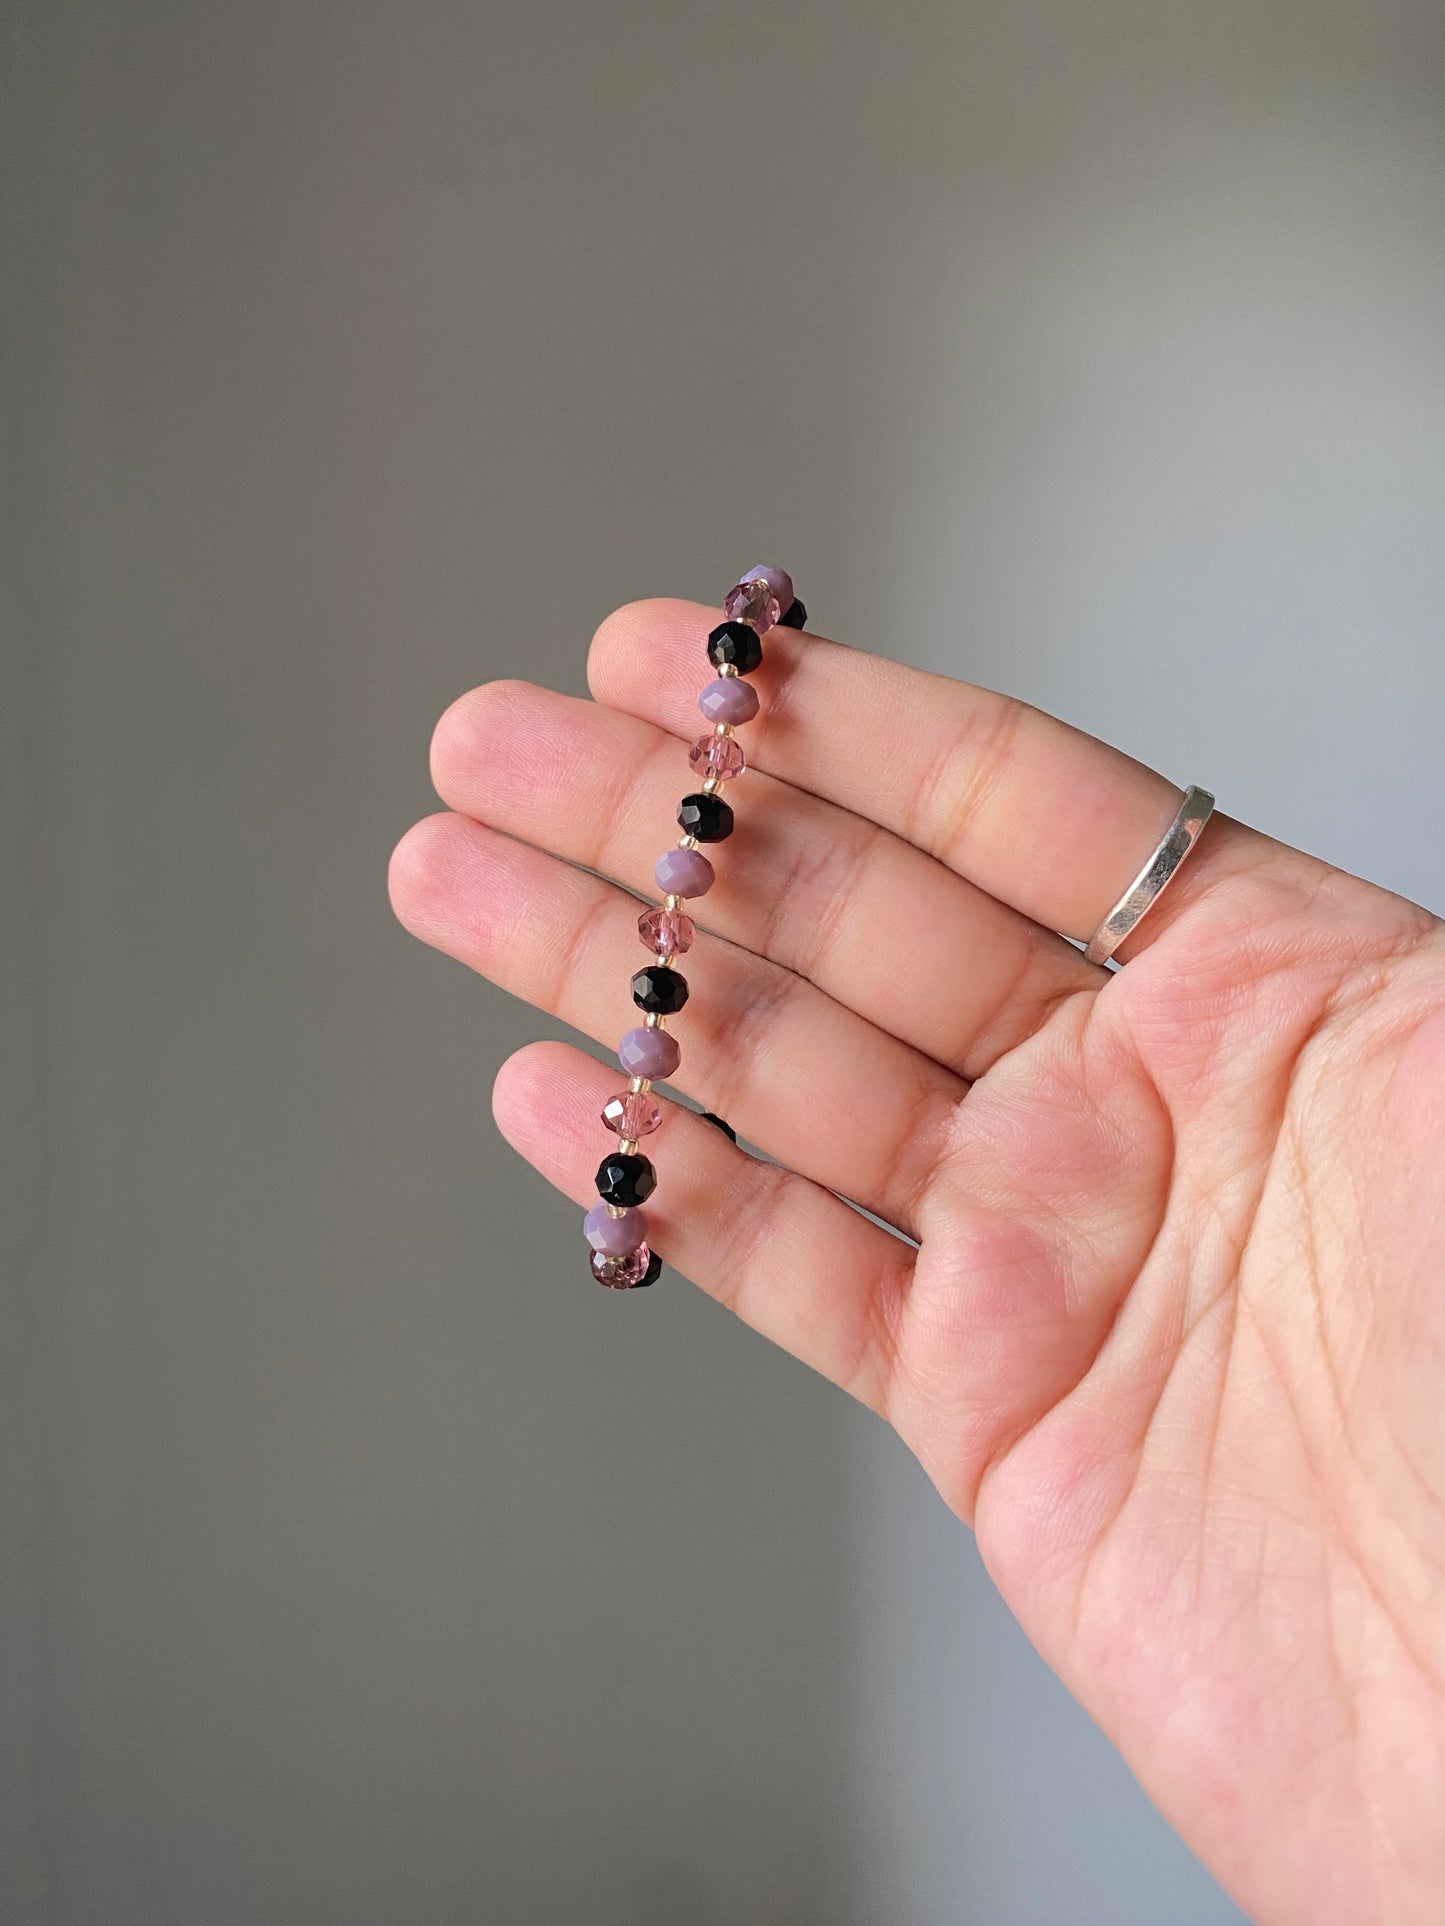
653,1021
614,1210
687,842
638,1084
627,1146
712,785
723,729
673,903
728,669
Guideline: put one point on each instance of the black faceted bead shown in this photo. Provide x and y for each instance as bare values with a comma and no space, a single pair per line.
708,818
735,643
625,1179
659,990
795,616
651,1274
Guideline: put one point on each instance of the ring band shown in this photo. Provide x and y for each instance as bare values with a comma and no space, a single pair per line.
1149,885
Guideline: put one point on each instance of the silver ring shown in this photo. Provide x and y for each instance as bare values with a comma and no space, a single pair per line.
1149,885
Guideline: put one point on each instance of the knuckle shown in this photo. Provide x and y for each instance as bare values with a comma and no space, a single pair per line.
969,765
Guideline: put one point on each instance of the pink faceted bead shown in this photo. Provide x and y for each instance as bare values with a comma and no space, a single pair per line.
730,698
667,932
754,603
649,1053
632,1113
777,579
684,872
720,756
623,1273
614,1236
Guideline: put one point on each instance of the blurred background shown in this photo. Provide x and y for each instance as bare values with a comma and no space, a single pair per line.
364,1563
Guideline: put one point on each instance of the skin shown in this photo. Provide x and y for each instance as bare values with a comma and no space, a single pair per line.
1173,1336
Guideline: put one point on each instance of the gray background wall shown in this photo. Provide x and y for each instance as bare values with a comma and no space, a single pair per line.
363,1563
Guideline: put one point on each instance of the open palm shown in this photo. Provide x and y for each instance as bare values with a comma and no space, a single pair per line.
1173,1336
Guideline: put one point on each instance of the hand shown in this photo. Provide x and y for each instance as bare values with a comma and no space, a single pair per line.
1173,1338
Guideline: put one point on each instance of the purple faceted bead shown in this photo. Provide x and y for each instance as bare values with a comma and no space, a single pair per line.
649,1053
614,1235
729,698
684,872
777,579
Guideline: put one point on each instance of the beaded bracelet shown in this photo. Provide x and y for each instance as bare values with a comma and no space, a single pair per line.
616,1227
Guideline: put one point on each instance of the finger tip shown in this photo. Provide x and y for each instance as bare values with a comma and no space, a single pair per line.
417,873
487,745
640,651
544,1098
523,1080
451,739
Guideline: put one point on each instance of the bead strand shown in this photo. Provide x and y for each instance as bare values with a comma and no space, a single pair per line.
616,1227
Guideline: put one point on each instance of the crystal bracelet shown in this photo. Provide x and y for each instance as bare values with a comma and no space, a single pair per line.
616,1227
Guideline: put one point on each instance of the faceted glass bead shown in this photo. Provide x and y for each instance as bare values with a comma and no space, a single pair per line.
649,1053
795,616
728,698
754,603
777,579
653,1271
624,1273
667,932
735,644
720,756
625,1178
659,990
707,817
632,1113
684,872
614,1236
